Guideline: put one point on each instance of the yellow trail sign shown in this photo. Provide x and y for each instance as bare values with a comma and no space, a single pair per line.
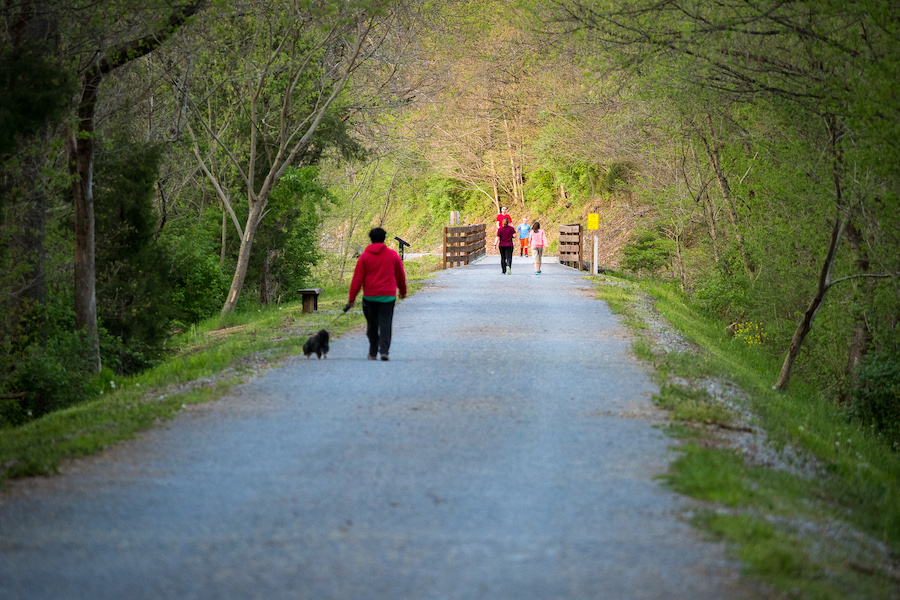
593,221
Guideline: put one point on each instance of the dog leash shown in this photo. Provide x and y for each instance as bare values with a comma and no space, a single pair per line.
341,314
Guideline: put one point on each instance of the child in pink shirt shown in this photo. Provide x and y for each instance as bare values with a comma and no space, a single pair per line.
537,239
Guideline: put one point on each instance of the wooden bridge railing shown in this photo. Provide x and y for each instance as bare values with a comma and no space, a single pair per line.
570,245
463,244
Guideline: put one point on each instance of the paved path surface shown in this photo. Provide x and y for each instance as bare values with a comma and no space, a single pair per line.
506,452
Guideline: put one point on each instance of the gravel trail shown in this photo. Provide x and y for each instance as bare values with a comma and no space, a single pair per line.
506,452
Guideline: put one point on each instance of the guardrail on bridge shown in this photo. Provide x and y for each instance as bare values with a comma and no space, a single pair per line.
463,244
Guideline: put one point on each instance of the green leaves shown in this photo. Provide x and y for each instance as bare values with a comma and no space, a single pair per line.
289,236
647,251
34,92
876,393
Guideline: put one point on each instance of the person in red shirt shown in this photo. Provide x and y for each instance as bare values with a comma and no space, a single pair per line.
378,273
502,216
504,238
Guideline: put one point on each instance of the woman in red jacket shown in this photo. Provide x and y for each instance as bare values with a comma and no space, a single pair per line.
379,273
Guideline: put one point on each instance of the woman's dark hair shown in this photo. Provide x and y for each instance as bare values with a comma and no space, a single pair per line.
536,226
506,222
377,235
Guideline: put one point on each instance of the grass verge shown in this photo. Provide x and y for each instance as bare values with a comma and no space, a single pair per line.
808,501
205,362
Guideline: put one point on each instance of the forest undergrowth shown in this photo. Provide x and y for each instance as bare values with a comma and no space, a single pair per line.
806,497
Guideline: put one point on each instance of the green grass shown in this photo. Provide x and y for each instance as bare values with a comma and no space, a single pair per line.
205,362
691,404
785,526
709,475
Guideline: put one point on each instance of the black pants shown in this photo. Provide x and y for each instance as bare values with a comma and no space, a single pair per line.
379,318
506,257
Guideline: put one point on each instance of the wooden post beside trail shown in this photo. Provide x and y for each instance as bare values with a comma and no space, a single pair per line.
310,298
444,253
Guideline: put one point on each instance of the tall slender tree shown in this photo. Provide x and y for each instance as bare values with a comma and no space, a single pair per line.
285,68
80,152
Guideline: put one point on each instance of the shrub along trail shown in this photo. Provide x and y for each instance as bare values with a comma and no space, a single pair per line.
507,451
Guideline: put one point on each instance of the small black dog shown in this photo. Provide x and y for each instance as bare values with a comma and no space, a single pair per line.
317,344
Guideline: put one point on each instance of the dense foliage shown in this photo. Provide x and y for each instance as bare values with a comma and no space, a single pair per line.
33,92
769,165
121,177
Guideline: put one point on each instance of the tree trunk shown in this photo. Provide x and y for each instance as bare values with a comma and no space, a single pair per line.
712,152
80,154
494,185
264,281
709,209
34,232
680,258
240,273
815,304
837,232
514,172
224,239
289,143
711,219
243,263
32,26
163,209
386,208
860,338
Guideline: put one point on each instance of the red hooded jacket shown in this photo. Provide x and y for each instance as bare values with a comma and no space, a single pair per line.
379,272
